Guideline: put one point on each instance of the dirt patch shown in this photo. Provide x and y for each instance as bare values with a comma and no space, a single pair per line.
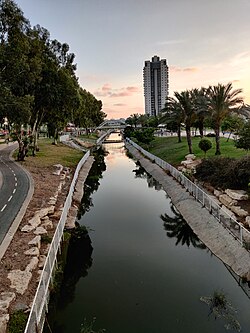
45,186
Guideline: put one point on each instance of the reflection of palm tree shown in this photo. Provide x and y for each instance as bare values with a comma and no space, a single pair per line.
177,227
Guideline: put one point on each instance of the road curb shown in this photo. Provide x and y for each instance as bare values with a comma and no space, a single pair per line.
14,226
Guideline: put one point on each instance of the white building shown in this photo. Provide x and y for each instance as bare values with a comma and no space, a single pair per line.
155,80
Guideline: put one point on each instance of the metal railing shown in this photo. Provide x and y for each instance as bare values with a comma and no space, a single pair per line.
40,303
229,222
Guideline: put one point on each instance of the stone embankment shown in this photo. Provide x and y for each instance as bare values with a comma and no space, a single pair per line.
38,227
208,229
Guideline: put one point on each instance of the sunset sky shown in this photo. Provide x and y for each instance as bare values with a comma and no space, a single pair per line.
204,42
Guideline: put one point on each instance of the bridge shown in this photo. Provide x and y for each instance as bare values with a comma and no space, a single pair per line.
112,124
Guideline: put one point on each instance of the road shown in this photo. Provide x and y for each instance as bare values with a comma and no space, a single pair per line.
14,188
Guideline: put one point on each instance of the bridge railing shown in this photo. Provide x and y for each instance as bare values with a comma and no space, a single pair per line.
102,138
228,221
40,303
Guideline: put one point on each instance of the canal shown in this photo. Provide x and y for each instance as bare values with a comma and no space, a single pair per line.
142,269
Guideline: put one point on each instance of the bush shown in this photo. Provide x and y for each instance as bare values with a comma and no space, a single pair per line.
17,322
205,145
225,172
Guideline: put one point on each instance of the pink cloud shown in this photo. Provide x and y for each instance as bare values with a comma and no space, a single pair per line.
107,91
183,69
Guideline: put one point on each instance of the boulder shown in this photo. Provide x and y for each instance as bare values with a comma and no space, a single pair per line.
35,221
237,194
227,201
4,319
239,211
248,220
19,280
217,193
36,241
40,231
32,264
27,228
5,299
34,251
190,157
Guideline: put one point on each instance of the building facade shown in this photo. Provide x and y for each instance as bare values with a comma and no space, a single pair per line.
155,81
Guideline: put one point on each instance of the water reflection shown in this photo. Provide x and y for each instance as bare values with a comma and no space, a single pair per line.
92,182
78,262
178,228
141,173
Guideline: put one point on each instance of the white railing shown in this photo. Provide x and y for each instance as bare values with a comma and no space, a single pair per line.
40,303
102,138
230,223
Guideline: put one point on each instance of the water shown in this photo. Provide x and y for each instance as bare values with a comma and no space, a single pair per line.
146,270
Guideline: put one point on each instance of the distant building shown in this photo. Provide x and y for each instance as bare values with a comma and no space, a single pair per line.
155,81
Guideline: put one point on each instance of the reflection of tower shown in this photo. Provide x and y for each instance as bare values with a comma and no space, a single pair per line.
155,79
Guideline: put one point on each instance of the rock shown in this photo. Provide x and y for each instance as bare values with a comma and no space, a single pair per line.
190,157
27,228
227,201
32,264
248,220
35,221
42,260
59,169
19,280
36,241
4,319
34,251
217,193
239,211
20,306
45,211
40,231
237,194
5,299
48,224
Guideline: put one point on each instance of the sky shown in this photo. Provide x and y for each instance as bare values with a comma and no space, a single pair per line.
205,42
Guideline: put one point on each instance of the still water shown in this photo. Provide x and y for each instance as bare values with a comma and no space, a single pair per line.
142,270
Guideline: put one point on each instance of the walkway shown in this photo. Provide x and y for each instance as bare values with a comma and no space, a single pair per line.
208,229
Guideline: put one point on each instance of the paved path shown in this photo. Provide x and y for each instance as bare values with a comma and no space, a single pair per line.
208,229
16,190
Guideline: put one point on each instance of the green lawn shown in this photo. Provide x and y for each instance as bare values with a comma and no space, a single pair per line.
168,149
50,154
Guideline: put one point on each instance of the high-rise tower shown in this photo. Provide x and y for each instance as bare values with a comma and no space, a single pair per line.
155,80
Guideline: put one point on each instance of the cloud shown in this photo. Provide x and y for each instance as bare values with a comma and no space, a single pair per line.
107,91
171,42
184,69
119,104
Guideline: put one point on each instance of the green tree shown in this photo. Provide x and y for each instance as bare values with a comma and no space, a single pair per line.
172,115
232,124
221,100
205,145
200,102
243,140
187,109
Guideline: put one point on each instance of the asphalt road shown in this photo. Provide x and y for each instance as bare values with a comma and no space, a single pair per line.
14,188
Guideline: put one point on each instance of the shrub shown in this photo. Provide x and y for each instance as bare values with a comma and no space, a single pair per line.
205,145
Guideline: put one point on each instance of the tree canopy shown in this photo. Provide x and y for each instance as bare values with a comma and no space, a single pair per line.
38,79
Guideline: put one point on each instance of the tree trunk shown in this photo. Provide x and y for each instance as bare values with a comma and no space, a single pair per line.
229,136
217,140
189,141
201,130
179,133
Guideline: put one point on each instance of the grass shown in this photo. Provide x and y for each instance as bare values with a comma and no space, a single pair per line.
168,149
49,154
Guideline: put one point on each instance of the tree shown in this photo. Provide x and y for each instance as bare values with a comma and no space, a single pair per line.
243,140
205,145
187,109
221,99
172,115
200,102
232,124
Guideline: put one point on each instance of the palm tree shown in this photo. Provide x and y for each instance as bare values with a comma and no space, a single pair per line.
200,101
172,113
177,227
187,106
221,99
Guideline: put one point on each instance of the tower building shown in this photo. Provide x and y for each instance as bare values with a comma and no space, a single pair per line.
155,81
